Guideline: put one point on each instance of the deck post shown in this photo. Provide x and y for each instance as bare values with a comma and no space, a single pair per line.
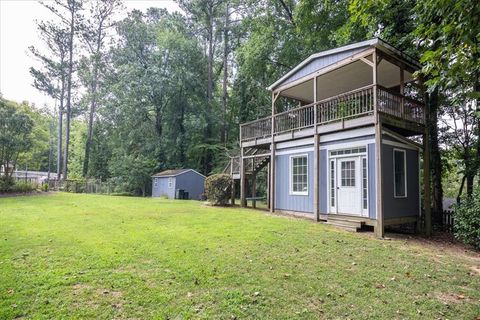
254,185
272,155
426,183
268,185
316,180
316,156
243,201
232,196
379,227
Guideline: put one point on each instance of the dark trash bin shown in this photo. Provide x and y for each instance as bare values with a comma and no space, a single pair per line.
179,193
185,195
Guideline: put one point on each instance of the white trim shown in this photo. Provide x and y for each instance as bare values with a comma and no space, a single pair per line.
295,143
348,144
347,134
398,144
290,175
332,209
365,211
294,151
405,173
403,140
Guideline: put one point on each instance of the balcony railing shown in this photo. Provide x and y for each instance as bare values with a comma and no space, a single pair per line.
349,105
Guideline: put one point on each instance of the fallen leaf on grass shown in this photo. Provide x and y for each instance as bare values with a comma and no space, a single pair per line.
380,286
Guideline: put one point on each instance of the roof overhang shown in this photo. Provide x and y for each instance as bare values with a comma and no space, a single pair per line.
409,62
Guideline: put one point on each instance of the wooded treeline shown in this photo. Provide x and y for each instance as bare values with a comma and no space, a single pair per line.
160,90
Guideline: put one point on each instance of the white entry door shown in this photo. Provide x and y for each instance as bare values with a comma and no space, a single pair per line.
349,186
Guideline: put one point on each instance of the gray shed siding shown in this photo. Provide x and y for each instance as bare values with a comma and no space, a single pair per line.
191,182
400,207
320,63
283,199
162,189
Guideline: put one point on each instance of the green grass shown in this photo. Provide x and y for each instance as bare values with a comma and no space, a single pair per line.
87,256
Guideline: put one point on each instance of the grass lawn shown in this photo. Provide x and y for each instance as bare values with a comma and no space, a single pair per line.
88,256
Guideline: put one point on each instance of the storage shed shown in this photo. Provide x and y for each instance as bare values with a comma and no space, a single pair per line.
175,183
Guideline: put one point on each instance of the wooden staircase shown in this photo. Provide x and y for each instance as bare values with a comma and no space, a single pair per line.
346,223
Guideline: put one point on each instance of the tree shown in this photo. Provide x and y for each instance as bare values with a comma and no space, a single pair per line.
15,129
95,31
452,52
51,79
68,11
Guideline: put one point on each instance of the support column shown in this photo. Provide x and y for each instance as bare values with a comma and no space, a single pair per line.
426,184
379,227
316,180
243,201
268,185
316,157
272,155
272,177
254,190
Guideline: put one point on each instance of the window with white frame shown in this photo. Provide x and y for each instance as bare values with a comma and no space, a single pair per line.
155,181
299,175
399,173
170,182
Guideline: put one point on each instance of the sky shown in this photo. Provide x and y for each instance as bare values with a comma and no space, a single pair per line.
18,31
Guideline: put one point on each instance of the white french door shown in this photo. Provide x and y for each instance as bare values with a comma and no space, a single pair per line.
349,186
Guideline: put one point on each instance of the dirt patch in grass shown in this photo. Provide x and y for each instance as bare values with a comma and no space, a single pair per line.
448,298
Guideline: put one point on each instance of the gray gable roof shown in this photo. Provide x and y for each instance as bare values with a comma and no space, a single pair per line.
322,59
174,173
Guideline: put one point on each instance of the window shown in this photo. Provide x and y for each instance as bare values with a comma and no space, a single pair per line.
155,181
170,182
348,151
348,173
399,173
332,183
299,175
364,183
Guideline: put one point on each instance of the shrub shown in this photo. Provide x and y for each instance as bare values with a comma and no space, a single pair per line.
6,183
467,220
24,187
218,189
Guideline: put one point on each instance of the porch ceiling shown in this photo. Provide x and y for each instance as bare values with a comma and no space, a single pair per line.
355,75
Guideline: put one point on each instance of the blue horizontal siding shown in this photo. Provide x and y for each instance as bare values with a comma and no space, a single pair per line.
283,199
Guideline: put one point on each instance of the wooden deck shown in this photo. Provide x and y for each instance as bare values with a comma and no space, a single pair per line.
349,110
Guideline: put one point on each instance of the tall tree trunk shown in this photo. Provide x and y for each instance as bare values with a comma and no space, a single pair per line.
435,158
69,89
208,165
91,116
60,129
223,136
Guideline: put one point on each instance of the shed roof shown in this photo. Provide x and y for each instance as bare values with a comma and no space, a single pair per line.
175,172
375,42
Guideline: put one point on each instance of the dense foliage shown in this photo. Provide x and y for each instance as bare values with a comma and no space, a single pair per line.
467,220
218,189
159,90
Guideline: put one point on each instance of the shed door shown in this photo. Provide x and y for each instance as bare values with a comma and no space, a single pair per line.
348,186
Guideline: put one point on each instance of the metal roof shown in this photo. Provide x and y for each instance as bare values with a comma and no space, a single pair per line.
375,42
175,172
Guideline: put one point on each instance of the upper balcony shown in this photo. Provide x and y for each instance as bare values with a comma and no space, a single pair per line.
347,106
346,87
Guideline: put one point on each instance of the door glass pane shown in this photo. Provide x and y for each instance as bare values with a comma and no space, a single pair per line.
348,173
